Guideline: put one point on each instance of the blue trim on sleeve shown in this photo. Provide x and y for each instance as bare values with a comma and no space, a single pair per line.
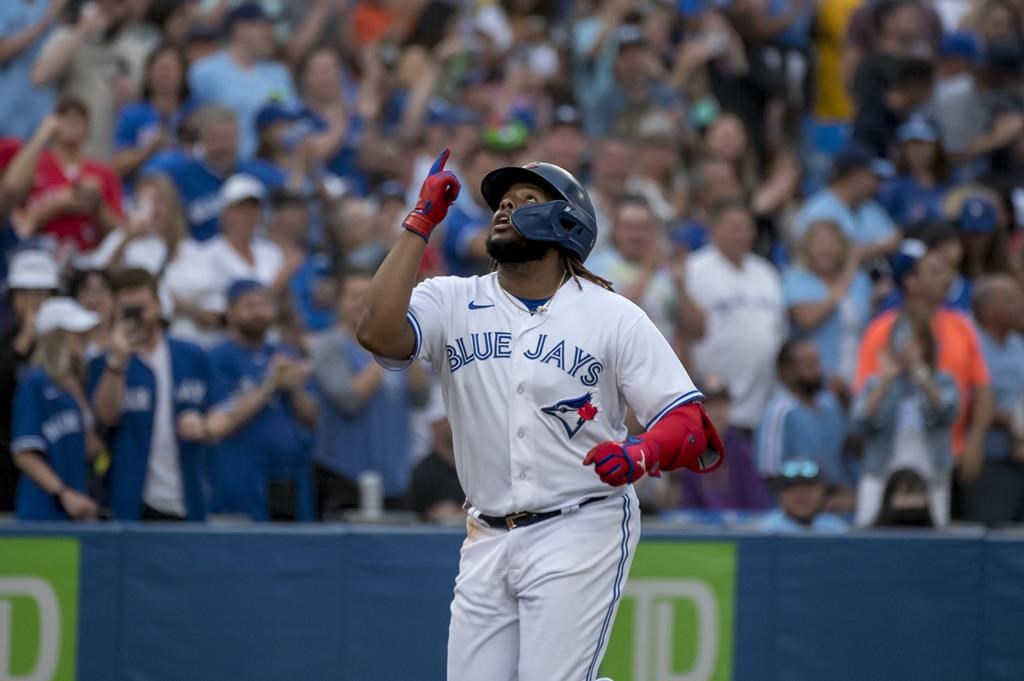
403,364
28,443
681,400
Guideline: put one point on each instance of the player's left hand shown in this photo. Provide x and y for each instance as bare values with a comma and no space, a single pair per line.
618,463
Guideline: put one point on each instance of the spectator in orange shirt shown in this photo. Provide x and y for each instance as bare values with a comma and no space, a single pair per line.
371,21
74,199
924,274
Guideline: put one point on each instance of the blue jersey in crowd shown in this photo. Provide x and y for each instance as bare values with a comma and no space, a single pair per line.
130,440
48,420
790,429
908,203
273,445
466,220
377,439
199,187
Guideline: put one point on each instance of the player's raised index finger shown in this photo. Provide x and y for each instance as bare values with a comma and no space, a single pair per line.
439,163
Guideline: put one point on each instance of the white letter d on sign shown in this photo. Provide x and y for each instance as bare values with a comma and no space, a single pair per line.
654,620
45,599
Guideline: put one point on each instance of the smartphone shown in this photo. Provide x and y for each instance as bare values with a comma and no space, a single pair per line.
900,336
132,313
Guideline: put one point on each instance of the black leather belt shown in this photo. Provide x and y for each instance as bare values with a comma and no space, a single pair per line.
514,520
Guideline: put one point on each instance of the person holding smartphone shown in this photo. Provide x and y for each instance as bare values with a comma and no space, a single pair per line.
150,392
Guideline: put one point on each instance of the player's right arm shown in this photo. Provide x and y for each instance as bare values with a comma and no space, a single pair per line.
383,327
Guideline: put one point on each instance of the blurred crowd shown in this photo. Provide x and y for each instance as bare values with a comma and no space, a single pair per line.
818,202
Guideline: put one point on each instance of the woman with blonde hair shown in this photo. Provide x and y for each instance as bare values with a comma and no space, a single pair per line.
155,233
828,297
52,425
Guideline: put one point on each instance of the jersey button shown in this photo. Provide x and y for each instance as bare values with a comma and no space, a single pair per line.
522,476
520,389
520,433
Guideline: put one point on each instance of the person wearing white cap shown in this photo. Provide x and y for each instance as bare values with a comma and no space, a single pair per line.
33,277
238,252
52,425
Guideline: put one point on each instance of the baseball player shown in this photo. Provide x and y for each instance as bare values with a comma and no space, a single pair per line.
538,361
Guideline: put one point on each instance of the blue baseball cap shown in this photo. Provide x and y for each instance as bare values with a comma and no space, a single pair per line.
904,259
977,215
917,129
961,44
858,158
240,287
275,113
247,11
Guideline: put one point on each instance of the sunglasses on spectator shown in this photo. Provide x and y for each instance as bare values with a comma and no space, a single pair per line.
800,470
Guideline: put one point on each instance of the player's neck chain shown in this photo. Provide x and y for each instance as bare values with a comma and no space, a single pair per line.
543,308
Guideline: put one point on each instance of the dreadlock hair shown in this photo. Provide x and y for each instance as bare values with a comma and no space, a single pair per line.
574,266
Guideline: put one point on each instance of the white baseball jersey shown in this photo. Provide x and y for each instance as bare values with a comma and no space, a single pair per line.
528,395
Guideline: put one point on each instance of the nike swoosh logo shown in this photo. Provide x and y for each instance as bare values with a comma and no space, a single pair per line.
474,306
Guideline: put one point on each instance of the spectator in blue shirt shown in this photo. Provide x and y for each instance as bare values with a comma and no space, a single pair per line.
828,298
262,416
997,496
802,494
51,430
243,76
331,108
804,421
24,28
151,125
466,227
200,172
151,392
365,411
916,194
849,200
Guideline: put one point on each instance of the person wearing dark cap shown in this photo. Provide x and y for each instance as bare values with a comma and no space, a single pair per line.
243,76
801,492
985,247
262,416
849,200
915,195
922,270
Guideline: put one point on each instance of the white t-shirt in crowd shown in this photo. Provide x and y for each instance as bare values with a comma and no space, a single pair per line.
226,266
163,489
148,252
744,329
186,278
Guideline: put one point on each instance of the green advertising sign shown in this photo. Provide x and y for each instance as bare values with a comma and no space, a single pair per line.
675,621
38,609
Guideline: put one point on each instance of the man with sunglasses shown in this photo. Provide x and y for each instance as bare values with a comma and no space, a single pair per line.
802,492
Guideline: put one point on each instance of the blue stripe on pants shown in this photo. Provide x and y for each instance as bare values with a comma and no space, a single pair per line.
620,574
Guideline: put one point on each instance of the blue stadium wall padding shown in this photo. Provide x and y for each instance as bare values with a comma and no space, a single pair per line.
339,603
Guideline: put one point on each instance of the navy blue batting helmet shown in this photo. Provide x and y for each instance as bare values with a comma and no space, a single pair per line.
569,220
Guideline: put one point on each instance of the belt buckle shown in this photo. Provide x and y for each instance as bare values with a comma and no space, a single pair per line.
511,520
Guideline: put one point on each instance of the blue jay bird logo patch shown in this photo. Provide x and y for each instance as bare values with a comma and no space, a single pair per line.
573,413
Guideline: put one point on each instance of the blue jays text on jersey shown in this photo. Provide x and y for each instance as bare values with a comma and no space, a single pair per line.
488,345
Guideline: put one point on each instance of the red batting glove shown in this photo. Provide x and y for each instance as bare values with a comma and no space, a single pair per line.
437,194
618,463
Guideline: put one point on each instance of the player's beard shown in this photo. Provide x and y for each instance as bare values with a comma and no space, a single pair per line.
516,249
252,332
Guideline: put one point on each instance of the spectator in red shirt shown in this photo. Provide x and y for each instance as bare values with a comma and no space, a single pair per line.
74,199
